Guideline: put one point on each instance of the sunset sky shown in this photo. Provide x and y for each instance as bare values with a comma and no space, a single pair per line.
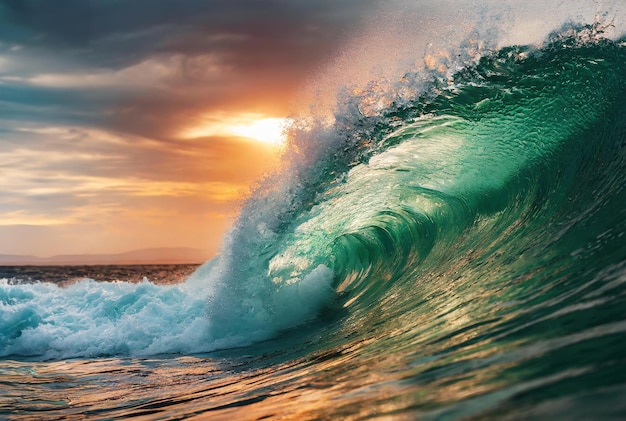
128,124
131,124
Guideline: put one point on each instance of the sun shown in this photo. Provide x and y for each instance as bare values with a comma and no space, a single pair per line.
254,127
269,130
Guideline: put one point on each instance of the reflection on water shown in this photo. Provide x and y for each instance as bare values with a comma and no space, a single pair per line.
66,275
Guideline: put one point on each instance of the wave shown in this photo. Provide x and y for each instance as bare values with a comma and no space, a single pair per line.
491,178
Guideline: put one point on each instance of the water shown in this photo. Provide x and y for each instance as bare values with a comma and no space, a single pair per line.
68,275
452,246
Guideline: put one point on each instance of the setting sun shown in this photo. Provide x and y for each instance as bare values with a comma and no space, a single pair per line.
266,130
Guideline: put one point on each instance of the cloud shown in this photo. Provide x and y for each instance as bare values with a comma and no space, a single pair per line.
98,191
149,67
96,94
114,33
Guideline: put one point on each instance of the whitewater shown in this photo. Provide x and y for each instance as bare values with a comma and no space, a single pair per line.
450,244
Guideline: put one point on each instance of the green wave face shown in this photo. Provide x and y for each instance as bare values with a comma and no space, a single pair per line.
493,156
475,236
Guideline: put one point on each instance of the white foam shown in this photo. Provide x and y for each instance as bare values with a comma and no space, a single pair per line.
102,318
90,318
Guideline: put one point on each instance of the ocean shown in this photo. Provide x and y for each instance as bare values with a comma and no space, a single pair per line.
451,246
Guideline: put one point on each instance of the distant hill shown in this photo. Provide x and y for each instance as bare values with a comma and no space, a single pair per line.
165,255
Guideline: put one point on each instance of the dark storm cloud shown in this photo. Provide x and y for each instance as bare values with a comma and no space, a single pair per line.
117,33
217,54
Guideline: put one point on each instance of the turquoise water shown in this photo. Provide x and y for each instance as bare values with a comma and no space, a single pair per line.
452,252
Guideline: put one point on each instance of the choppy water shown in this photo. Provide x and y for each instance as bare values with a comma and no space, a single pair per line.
453,246
67,275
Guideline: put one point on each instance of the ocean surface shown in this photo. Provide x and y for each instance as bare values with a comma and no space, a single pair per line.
451,246
68,275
